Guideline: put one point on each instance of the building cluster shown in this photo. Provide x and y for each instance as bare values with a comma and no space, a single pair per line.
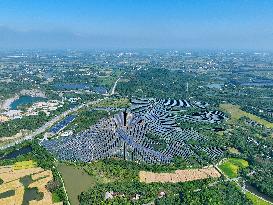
46,107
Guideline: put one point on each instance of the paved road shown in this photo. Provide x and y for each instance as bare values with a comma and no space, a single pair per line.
48,124
114,87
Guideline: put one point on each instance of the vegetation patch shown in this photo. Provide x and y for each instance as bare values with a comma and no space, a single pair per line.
236,113
117,103
232,166
125,187
12,127
233,150
85,119
256,200
24,165
55,197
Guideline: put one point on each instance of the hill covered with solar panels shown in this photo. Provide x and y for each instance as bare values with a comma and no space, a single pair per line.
146,132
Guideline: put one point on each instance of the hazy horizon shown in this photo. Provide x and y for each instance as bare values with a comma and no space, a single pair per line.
204,24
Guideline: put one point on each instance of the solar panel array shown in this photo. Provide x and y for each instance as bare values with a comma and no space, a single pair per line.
125,135
206,116
62,124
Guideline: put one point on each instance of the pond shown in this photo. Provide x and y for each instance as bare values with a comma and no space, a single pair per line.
25,100
100,90
76,180
30,193
16,153
7,194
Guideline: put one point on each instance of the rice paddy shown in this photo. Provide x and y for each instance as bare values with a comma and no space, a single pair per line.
24,183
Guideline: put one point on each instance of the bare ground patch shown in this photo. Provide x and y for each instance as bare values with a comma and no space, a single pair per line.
179,175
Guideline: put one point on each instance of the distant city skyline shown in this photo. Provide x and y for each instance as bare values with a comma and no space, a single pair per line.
173,24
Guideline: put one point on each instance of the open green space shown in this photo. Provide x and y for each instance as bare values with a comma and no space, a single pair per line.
76,180
232,166
117,103
256,200
236,113
233,150
56,198
85,119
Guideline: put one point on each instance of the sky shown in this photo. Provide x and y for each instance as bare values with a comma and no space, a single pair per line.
171,24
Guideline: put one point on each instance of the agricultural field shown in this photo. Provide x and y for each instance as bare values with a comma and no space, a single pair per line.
24,183
232,166
236,113
76,180
24,165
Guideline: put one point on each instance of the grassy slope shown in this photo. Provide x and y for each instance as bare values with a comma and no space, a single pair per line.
255,200
236,113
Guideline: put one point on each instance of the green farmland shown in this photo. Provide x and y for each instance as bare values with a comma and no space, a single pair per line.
232,166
